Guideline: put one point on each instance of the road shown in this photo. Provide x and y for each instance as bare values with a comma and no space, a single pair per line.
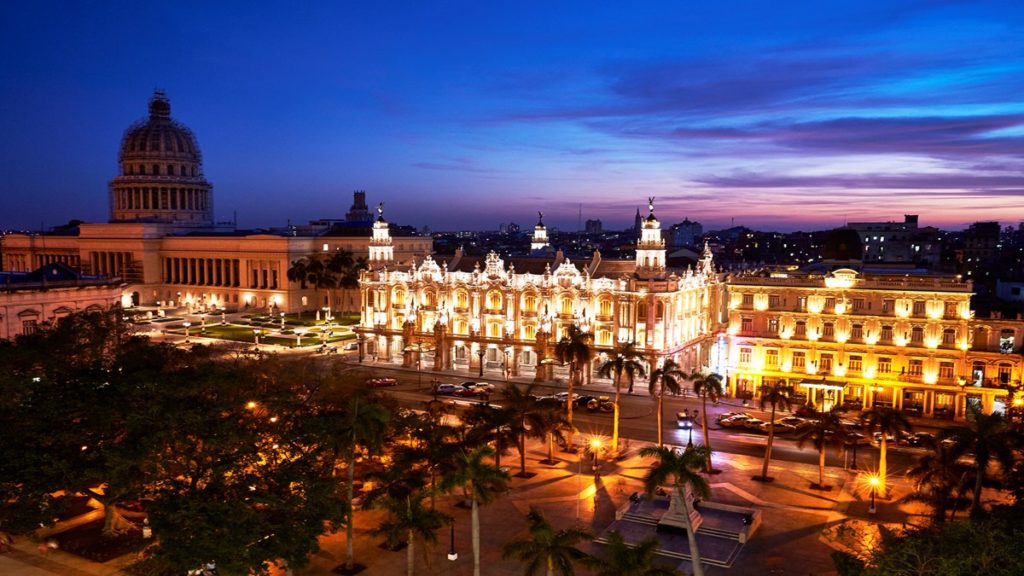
638,422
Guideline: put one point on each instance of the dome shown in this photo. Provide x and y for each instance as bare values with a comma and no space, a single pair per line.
843,244
161,172
158,137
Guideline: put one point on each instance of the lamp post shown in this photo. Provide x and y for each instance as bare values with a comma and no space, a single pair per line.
452,554
874,481
595,446
360,339
202,319
688,425
282,320
256,337
480,352
186,325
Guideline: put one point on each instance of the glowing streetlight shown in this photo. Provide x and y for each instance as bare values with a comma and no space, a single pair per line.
874,481
251,405
186,325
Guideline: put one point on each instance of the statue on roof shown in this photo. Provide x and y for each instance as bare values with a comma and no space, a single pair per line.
650,203
380,209
540,218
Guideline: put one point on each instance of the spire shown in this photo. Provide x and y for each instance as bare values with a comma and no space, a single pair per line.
159,105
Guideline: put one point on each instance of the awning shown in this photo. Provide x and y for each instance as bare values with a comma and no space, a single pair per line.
823,384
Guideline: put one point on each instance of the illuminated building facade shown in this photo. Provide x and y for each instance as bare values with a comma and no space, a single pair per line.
163,242
494,313
30,299
909,341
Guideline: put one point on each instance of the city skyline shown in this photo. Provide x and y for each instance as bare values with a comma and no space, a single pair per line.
775,118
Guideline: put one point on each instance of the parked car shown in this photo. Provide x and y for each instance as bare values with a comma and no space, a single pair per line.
780,428
920,439
601,403
796,422
727,415
584,400
734,421
563,396
856,438
753,423
382,382
806,410
352,346
447,389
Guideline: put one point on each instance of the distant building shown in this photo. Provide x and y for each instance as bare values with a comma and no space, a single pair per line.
593,227
30,299
359,212
685,233
899,241
510,229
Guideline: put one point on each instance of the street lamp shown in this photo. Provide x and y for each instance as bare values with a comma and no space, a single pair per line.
687,423
256,337
360,339
595,447
452,554
480,352
186,325
203,325
874,481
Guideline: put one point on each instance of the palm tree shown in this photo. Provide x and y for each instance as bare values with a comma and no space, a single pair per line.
552,423
625,363
669,377
485,481
298,272
826,430
990,438
938,476
433,448
487,424
545,547
364,425
522,407
623,559
778,394
887,422
345,269
408,517
681,470
576,350
707,386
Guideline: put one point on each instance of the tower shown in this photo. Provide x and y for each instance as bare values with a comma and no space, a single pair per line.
381,250
161,172
540,235
650,250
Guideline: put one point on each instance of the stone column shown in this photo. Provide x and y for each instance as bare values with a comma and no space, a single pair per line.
516,351
929,403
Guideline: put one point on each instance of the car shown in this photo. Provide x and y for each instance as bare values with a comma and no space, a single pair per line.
382,382
465,392
447,389
806,411
563,396
877,438
485,387
796,422
684,420
734,421
753,423
584,400
856,439
850,424
779,427
920,439
727,415
352,346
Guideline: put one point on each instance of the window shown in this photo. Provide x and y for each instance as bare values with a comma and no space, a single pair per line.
918,307
825,363
801,328
886,333
156,169
529,302
773,325
773,301
745,355
799,360
857,332
884,365
828,331
856,363
917,335
748,299
606,307
801,303
950,310
29,327
747,325
949,337
771,358
888,306
915,367
858,304
1005,371
945,369
830,303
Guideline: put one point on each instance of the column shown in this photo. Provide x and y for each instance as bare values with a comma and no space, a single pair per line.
897,398
929,402
515,360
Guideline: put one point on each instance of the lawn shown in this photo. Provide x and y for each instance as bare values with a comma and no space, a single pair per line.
239,333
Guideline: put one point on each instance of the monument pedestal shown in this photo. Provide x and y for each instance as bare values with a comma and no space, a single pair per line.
676,516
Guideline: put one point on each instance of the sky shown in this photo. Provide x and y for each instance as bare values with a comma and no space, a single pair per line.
463,115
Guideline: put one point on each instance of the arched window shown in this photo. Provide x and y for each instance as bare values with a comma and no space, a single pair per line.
566,305
170,169
530,303
156,169
494,300
641,311
606,307
429,297
461,299
142,168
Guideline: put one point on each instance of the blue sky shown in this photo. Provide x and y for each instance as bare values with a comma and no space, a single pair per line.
463,115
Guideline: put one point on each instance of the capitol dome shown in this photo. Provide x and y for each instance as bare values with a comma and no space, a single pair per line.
161,172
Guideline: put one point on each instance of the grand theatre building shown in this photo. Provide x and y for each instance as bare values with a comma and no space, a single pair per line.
163,242
505,315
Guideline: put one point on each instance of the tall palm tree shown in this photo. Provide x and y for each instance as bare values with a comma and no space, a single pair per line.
433,447
707,386
938,476
522,407
553,424
298,272
778,394
485,482
623,559
345,269
826,430
991,438
887,422
575,349
626,363
363,426
682,471
487,424
408,518
667,378
548,549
